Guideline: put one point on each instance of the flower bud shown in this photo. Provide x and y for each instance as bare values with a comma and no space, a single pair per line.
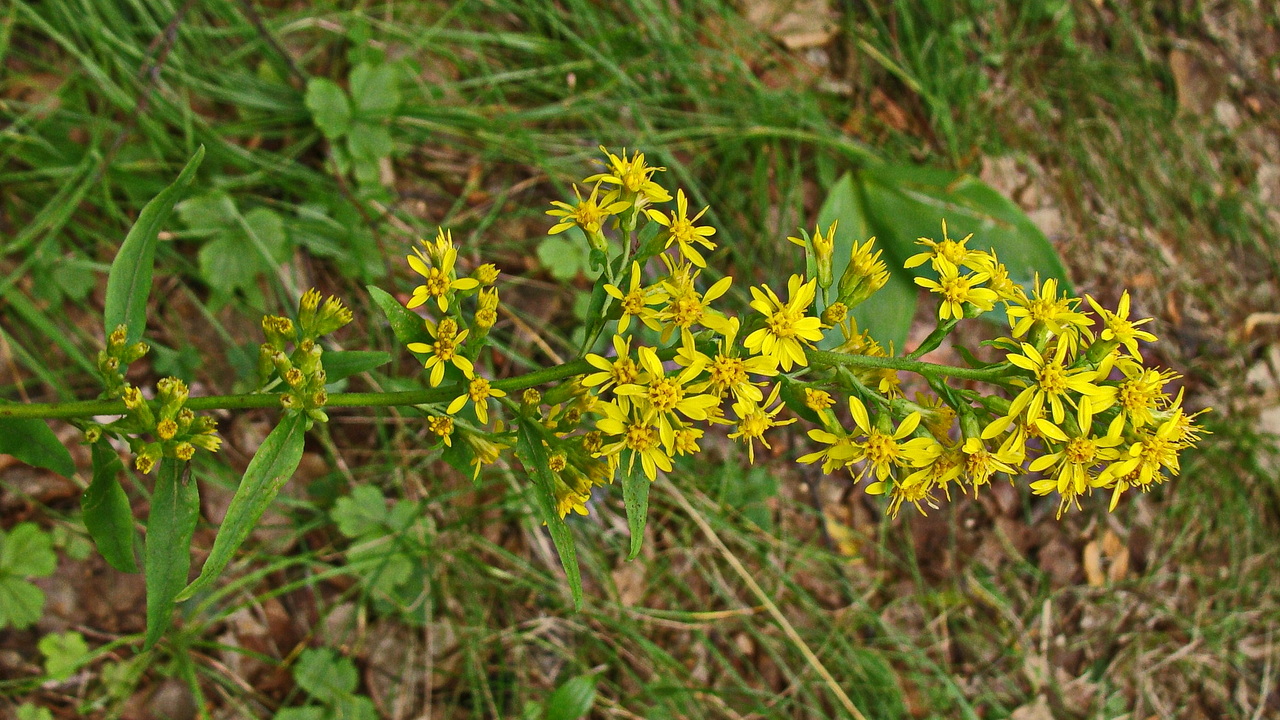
307,306
823,250
331,316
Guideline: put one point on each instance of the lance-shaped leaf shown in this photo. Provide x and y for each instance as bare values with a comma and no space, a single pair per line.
129,282
106,510
345,363
268,471
175,507
534,456
635,497
31,441
406,324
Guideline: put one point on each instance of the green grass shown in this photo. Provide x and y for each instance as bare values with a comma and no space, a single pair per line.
502,106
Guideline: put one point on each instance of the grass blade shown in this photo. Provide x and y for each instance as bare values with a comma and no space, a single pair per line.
175,507
534,456
129,282
107,515
268,471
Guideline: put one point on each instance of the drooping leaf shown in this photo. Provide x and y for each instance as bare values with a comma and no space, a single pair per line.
329,106
268,471
635,497
106,510
572,700
129,282
533,455
175,507
345,363
31,441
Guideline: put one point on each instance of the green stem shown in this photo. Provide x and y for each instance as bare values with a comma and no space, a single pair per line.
90,408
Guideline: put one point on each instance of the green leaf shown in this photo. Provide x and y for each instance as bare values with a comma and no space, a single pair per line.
27,551
407,326
63,653
324,675
31,712
917,199
887,314
302,713
635,497
374,90
363,512
329,106
368,142
268,471
566,255
31,441
345,363
175,507
355,707
531,452
21,603
243,249
107,515
572,700
129,282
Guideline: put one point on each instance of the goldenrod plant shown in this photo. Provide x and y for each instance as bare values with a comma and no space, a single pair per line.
1065,402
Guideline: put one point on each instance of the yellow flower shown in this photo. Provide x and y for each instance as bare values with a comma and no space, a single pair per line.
788,329
948,251
841,450
755,418
1141,393
884,452
633,176
1051,383
980,464
444,350
817,400
687,307
478,392
440,277
1117,327
1057,314
999,281
957,290
662,396
1144,462
635,434
622,370
917,488
442,425
727,371
682,230
588,214
864,275
1074,460
636,301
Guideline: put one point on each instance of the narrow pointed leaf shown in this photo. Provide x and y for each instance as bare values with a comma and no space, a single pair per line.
345,363
268,471
406,324
129,282
107,515
534,456
31,441
175,507
635,497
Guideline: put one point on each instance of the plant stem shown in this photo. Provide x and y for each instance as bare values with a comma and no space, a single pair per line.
90,408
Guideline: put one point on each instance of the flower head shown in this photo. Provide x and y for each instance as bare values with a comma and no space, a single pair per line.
444,351
755,418
952,252
1118,328
958,290
788,328
478,392
589,214
633,176
636,301
682,231
440,278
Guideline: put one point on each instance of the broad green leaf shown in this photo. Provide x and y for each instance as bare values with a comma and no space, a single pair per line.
635,497
63,653
364,511
302,713
21,603
407,325
329,106
355,707
31,712
268,471
175,508
129,282
368,142
252,245
887,314
324,675
345,363
572,700
27,551
31,441
533,455
107,515
915,201
374,90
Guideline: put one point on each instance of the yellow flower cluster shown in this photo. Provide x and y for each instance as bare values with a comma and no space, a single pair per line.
1084,413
